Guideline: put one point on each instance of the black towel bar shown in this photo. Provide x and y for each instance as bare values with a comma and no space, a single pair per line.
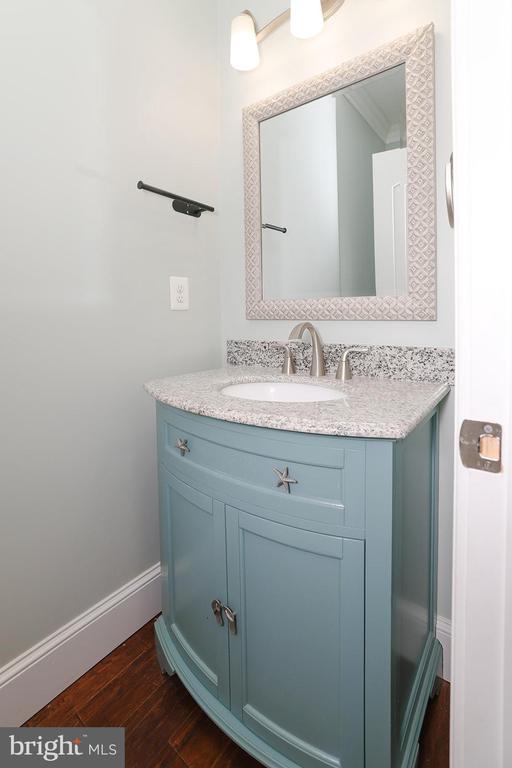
180,204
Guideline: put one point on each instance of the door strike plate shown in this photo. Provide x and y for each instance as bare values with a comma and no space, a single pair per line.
480,445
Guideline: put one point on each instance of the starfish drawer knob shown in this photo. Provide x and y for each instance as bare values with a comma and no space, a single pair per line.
284,479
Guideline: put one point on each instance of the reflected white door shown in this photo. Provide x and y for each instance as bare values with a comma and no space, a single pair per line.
390,222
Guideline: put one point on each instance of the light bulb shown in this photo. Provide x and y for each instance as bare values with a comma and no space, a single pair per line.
306,18
245,53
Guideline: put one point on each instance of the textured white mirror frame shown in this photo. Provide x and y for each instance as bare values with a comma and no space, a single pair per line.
416,51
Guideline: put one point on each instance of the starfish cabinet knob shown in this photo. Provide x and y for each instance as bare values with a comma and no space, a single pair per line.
284,479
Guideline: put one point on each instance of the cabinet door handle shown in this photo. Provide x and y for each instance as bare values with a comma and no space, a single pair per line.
217,612
231,617
284,478
182,446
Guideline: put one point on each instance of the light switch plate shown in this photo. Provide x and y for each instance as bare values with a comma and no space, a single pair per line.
179,293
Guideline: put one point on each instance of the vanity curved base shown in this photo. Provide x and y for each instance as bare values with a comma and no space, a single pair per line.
258,748
299,585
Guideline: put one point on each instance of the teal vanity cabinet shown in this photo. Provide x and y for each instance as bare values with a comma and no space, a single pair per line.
299,584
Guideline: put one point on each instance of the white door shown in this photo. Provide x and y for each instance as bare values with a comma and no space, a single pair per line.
390,221
482,610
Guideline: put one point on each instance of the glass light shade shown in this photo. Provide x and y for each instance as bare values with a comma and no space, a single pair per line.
306,18
245,54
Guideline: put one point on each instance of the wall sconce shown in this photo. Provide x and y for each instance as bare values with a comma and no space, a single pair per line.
306,20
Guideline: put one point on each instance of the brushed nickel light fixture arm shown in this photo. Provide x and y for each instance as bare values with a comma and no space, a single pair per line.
329,8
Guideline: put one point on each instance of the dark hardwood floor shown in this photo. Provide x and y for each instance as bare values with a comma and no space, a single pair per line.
164,726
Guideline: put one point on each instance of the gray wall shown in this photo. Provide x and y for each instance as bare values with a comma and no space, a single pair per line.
95,95
284,62
357,143
299,190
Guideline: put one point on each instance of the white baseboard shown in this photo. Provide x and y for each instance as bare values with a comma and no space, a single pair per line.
444,635
34,678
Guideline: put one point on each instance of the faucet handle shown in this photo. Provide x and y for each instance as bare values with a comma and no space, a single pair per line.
344,371
288,366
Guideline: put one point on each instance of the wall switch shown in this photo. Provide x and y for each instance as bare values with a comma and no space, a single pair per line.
179,292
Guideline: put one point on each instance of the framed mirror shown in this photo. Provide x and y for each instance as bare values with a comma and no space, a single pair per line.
340,194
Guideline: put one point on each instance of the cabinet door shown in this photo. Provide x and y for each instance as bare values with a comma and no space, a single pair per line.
194,573
297,677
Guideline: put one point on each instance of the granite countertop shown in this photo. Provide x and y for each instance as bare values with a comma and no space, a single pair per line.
382,408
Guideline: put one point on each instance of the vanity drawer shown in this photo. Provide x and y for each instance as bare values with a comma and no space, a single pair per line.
239,462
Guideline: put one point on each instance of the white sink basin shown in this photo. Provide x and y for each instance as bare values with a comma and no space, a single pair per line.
282,392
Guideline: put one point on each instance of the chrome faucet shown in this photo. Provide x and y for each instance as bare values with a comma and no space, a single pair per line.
317,361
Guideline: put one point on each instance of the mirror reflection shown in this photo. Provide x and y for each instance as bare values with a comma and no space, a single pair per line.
333,194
